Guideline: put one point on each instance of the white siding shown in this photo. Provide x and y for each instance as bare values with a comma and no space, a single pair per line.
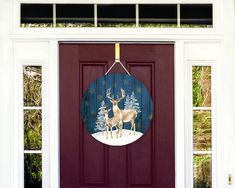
40,45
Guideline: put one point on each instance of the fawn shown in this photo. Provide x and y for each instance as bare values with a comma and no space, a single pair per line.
111,122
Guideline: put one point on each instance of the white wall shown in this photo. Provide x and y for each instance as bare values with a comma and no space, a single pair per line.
17,46
6,93
227,92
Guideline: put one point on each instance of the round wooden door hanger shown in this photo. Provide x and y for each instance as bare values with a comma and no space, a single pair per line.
117,109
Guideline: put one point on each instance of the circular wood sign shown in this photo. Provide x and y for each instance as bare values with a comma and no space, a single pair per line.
117,109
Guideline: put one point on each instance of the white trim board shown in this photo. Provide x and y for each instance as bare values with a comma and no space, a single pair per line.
51,100
223,35
119,1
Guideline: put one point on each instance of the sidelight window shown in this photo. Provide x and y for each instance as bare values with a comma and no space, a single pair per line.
202,126
32,105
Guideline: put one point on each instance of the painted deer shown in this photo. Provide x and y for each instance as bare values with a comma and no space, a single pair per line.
126,115
111,122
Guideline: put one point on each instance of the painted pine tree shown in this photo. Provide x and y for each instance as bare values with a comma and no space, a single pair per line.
100,120
131,102
127,102
134,102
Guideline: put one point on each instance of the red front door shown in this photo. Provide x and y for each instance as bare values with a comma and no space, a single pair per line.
147,163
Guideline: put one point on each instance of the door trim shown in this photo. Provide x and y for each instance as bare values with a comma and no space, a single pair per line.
179,117
51,95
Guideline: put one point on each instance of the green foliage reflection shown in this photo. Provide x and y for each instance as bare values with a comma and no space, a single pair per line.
202,86
32,86
32,129
32,170
202,130
202,171
147,25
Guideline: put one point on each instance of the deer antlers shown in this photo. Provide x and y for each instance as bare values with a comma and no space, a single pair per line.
122,95
108,93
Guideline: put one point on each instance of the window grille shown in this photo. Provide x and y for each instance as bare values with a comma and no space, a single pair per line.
118,15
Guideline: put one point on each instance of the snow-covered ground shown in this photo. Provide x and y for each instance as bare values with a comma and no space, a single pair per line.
125,139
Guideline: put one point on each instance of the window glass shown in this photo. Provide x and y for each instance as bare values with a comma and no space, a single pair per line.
202,130
201,86
202,171
32,86
116,15
158,15
36,15
32,128
32,170
202,126
74,15
192,15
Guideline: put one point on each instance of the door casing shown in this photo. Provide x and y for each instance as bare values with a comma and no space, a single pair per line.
51,106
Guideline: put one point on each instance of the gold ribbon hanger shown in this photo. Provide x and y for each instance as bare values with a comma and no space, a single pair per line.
117,60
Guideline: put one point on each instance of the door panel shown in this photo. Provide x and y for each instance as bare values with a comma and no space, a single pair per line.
148,162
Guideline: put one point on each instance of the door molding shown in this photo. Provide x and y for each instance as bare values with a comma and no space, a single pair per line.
179,117
51,95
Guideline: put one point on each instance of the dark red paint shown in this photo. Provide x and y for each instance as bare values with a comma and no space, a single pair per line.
148,162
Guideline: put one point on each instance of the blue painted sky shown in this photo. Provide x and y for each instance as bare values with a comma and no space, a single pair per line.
96,93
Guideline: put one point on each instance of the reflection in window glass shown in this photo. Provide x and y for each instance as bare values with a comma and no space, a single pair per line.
202,171
196,14
202,126
32,170
74,15
159,15
32,129
36,15
32,86
32,80
202,130
116,15
201,86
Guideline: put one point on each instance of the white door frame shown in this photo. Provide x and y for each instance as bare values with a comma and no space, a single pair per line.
181,83
51,107
181,37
